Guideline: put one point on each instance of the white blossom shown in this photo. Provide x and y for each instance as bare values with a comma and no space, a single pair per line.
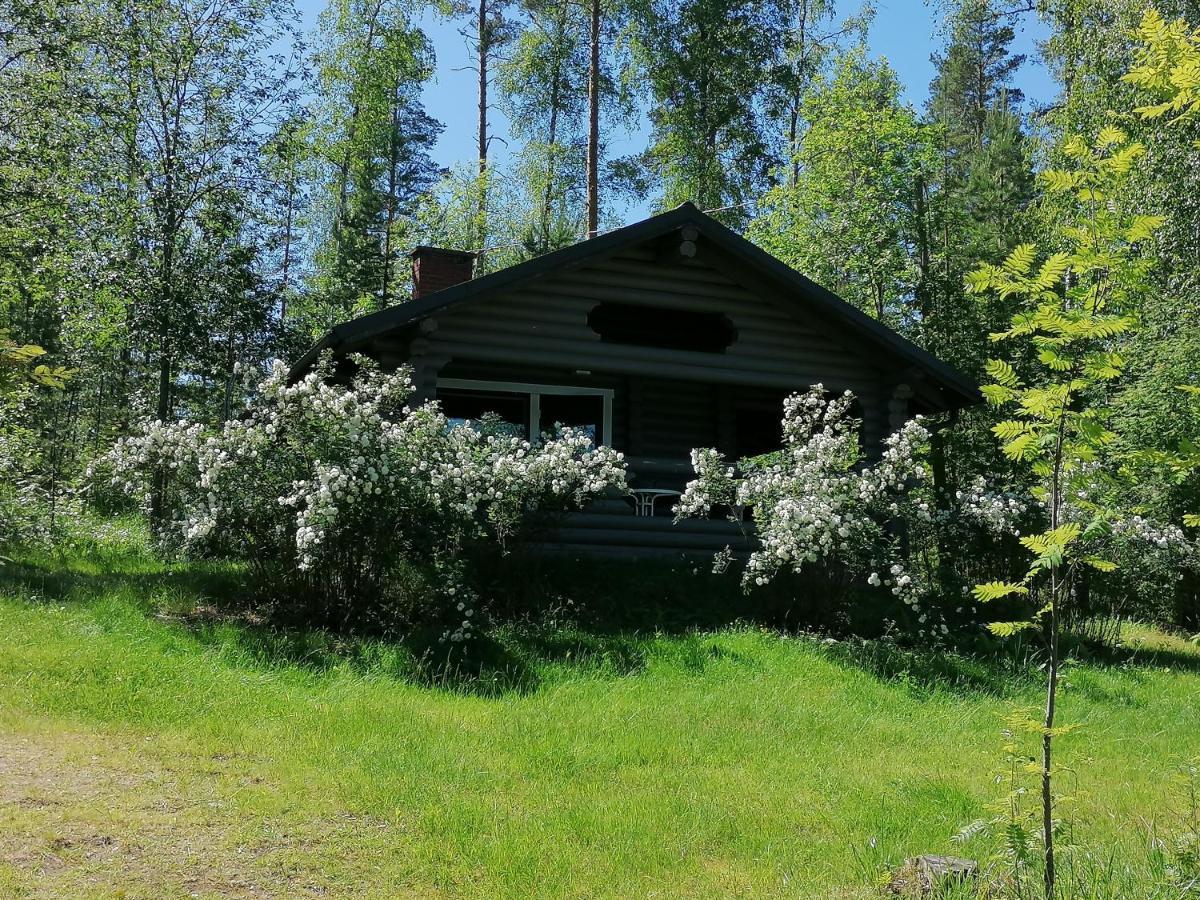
344,480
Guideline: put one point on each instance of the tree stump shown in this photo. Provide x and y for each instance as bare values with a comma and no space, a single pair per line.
919,876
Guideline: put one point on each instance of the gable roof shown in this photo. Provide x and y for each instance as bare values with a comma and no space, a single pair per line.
358,331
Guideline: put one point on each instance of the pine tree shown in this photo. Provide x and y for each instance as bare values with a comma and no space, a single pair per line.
975,71
371,143
981,184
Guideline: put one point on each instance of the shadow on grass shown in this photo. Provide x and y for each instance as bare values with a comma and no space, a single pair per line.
211,602
153,586
551,619
985,669
1003,669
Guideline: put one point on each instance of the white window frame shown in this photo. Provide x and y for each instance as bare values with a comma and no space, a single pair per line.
535,391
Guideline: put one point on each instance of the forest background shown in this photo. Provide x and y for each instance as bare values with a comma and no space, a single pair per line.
191,189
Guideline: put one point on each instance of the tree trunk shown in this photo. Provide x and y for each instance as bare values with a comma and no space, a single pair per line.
287,238
390,213
706,130
230,362
1047,748
552,140
798,95
484,49
99,414
1057,583
133,178
166,288
925,294
352,126
593,145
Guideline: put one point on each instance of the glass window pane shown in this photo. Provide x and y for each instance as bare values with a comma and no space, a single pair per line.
509,411
583,411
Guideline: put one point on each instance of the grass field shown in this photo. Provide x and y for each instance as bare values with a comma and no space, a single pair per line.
151,747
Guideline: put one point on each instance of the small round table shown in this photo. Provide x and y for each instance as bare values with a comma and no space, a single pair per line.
645,498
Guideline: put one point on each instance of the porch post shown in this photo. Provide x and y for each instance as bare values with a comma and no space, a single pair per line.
899,407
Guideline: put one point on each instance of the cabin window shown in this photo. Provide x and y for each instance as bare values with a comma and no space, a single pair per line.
760,427
580,411
463,405
656,326
759,431
531,409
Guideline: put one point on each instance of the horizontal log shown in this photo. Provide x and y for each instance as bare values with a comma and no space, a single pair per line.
629,522
653,293
572,359
662,277
754,337
624,553
531,330
687,365
566,301
633,538
650,270
754,345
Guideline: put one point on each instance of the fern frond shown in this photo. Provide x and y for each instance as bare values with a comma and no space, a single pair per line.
1008,629
996,590
1002,373
1020,261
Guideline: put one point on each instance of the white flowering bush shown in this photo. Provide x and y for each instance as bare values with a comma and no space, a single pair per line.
994,512
818,506
1156,570
817,503
329,490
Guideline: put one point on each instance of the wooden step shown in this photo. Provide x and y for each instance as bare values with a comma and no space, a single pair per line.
611,531
630,522
691,555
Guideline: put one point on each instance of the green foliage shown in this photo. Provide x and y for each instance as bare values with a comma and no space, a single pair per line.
368,147
1073,305
850,217
1092,48
707,64
975,71
22,509
1075,302
978,190
995,590
543,82
21,362
1167,63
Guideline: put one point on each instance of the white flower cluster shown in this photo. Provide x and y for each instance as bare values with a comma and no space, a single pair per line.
345,480
1153,550
1163,536
818,502
995,512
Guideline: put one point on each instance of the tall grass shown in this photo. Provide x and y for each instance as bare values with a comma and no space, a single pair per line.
574,760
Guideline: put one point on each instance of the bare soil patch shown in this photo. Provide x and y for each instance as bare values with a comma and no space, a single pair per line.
85,816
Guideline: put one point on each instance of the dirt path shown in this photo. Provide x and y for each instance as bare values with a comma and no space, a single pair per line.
86,816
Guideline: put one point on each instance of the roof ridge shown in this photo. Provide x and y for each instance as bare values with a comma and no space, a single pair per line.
361,329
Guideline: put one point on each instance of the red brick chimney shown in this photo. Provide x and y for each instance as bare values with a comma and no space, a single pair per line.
434,269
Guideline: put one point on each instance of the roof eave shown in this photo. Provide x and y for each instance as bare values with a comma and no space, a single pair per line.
358,331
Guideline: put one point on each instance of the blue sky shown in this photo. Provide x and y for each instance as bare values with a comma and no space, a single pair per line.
906,32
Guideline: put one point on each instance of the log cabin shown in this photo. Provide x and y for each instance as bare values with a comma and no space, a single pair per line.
665,335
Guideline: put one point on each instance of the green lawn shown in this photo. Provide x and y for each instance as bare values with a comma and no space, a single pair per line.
150,747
